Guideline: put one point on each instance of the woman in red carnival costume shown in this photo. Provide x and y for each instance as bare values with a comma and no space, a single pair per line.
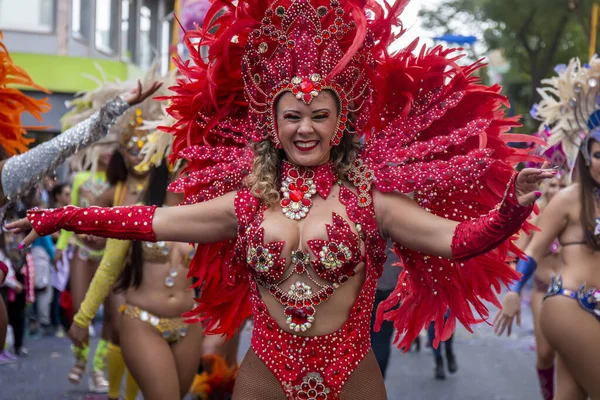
315,78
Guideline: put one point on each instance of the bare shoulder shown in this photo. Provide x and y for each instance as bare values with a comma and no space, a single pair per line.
571,195
384,199
566,203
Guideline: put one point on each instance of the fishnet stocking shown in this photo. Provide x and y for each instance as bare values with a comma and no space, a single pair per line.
255,381
366,382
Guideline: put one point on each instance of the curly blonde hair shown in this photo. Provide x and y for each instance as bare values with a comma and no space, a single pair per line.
264,179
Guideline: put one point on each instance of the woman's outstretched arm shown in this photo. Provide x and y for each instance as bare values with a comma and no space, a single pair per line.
208,222
409,225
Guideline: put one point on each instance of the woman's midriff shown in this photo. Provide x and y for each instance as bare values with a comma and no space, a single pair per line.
156,298
548,267
330,315
580,266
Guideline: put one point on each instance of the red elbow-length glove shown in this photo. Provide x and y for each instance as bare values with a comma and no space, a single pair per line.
127,223
480,235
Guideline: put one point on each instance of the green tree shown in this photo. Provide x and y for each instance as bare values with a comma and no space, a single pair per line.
534,36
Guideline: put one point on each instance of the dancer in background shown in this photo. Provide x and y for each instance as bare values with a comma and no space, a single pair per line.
570,313
153,278
126,186
547,267
88,185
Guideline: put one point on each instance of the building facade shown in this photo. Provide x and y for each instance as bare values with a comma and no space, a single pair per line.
69,46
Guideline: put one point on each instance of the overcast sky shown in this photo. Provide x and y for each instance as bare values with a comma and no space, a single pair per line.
411,22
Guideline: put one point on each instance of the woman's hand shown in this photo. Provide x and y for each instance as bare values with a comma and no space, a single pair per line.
79,336
511,308
23,225
19,288
58,257
137,95
527,184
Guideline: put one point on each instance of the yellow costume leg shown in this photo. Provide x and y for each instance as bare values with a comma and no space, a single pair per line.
116,369
131,387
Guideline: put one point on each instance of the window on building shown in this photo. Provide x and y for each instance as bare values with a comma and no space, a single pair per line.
145,37
107,35
128,30
80,14
38,17
166,42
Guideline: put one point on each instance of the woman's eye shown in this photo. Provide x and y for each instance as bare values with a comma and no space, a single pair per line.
292,117
596,155
321,116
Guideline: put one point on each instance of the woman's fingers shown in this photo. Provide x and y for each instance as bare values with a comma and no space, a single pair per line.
496,319
29,239
528,198
20,225
501,326
155,86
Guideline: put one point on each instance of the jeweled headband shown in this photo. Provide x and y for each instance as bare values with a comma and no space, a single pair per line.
304,47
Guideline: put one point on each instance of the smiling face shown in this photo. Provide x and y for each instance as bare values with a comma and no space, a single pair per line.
305,131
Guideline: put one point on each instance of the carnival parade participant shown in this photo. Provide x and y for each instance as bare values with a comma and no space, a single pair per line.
19,173
88,185
547,266
125,186
315,77
148,315
60,196
154,279
573,218
86,252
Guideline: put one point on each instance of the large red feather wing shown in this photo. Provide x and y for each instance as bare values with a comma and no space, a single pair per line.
442,136
212,134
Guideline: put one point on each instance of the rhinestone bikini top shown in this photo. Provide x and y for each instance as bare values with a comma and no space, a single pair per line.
336,260
158,252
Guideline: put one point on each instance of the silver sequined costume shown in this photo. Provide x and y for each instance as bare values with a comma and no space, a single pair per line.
20,173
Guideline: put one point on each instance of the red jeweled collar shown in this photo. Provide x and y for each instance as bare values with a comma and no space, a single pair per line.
299,184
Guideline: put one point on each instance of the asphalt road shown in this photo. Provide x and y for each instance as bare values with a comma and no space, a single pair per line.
490,368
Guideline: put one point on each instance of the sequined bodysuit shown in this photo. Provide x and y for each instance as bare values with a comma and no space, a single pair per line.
311,367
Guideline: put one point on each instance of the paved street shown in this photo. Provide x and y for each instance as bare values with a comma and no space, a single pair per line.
490,368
